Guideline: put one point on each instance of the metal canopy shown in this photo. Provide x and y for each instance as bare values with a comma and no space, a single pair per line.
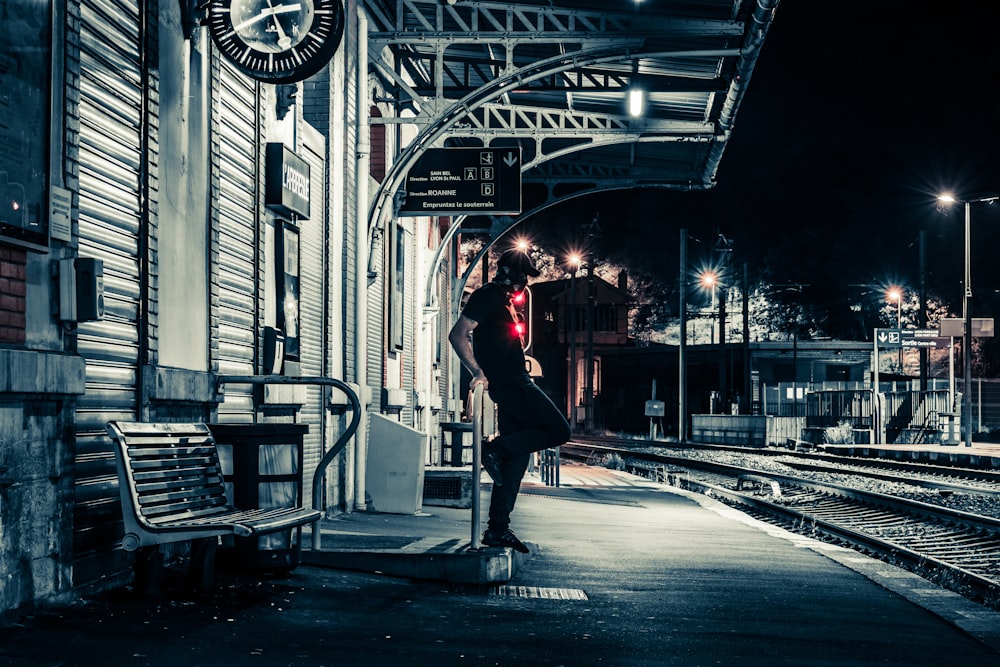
553,77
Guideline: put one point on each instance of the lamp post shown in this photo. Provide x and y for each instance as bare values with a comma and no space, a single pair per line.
682,347
948,199
895,295
709,280
574,262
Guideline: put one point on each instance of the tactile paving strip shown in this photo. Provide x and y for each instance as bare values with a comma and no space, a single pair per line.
540,593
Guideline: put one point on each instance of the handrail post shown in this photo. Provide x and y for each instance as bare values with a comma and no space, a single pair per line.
477,443
317,495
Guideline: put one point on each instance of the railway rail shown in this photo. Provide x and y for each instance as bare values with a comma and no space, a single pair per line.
956,549
944,477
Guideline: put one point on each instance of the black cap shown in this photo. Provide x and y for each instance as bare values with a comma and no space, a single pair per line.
519,262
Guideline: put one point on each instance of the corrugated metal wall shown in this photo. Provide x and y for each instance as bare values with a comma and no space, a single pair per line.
410,322
113,157
312,301
238,247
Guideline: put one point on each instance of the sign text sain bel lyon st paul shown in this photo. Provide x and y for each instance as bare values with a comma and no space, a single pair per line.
464,181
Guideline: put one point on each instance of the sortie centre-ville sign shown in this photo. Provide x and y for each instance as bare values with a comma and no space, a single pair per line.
464,181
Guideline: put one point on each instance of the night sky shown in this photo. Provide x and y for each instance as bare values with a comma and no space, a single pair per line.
858,113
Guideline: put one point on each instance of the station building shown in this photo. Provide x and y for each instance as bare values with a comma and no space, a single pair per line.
180,211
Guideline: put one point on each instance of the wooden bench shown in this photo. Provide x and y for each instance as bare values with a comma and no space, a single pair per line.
172,490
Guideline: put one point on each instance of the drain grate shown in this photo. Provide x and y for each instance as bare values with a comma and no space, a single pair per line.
540,593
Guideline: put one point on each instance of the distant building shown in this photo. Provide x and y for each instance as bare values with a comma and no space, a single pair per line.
567,315
779,372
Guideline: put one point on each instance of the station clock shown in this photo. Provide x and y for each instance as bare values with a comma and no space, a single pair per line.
277,41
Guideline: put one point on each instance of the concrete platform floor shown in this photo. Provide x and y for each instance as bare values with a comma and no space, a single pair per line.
625,575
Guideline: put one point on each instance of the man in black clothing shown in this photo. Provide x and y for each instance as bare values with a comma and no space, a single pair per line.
487,341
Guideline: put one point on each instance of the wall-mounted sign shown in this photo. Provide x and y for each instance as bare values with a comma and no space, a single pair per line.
286,183
464,181
60,214
288,288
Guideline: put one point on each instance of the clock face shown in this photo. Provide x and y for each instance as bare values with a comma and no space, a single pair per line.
277,41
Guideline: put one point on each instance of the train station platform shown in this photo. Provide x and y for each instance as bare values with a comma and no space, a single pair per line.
436,543
981,455
623,573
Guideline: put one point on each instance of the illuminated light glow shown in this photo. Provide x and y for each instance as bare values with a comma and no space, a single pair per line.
518,297
522,243
636,102
947,198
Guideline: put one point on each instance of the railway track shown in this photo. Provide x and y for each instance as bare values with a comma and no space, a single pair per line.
941,477
956,549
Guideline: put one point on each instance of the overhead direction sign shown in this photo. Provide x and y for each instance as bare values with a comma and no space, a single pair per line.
896,338
888,337
464,181
929,338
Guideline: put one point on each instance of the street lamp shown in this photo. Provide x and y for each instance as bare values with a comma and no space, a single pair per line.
948,199
574,260
710,280
895,295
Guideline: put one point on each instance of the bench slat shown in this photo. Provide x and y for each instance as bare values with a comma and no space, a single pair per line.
168,452
181,500
162,429
261,520
187,477
149,485
172,488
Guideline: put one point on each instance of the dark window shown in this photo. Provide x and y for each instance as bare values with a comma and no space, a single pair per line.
377,162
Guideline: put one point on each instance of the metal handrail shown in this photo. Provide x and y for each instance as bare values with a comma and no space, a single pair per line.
477,443
338,446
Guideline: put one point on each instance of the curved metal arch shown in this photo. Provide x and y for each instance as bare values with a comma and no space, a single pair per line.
762,16
461,108
430,294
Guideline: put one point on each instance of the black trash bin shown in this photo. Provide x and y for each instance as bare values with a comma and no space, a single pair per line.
262,467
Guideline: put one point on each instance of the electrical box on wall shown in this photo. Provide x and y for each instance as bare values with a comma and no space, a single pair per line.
393,399
81,289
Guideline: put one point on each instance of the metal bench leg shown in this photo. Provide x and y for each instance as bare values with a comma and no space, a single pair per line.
148,571
203,563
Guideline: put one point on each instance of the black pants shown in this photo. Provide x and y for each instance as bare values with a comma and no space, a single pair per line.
529,422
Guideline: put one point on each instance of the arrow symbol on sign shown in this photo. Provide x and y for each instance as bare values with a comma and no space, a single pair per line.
510,159
881,336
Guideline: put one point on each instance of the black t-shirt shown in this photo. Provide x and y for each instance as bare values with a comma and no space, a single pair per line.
494,340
